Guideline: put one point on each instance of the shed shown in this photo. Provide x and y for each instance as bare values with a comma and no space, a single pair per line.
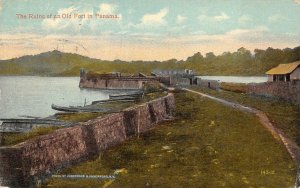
285,72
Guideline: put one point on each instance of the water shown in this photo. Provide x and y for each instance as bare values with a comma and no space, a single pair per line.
237,79
33,96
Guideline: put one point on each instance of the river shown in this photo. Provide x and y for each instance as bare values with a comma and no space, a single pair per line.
237,79
32,96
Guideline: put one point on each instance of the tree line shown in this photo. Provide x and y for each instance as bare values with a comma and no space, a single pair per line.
242,61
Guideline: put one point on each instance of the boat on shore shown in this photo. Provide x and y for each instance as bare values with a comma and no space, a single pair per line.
17,125
90,108
127,95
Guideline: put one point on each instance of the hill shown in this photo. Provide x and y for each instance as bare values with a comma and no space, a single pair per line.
45,64
56,63
242,63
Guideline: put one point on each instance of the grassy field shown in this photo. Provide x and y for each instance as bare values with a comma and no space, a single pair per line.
283,115
235,87
208,145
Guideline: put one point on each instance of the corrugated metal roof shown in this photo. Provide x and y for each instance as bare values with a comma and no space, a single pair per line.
284,68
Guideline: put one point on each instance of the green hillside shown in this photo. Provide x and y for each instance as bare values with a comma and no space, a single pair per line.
242,62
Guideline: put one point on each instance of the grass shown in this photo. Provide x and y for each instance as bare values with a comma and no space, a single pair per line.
15,138
235,87
208,145
283,115
77,117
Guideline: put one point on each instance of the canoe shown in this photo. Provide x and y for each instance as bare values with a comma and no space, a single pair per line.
114,100
32,121
128,95
80,108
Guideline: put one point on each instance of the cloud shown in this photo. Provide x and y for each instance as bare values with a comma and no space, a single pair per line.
109,9
137,45
77,24
221,17
217,18
59,23
106,8
180,19
155,19
1,5
276,18
241,35
244,19
257,34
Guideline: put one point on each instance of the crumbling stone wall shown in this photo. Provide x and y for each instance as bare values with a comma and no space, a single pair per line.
144,117
180,81
212,84
286,90
114,83
31,161
129,84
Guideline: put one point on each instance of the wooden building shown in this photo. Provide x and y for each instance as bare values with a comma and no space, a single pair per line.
285,72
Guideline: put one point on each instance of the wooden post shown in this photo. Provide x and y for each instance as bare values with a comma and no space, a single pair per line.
138,122
1,139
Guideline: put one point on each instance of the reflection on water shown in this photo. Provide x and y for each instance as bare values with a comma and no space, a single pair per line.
33,96
237,79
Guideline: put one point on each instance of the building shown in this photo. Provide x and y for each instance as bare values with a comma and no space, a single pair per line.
285,72
184,72
176,77
114,80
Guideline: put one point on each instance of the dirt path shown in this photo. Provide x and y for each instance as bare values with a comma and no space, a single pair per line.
291,146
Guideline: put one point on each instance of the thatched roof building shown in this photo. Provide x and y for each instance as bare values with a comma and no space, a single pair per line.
285,72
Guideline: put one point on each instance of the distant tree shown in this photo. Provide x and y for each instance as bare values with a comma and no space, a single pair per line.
296,52
289,55
196,58
242,55
244,51
210,57
274,55
226,57
170,61
258,55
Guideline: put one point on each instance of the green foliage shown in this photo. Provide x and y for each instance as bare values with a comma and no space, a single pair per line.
241,62
77,117
152,87
14,138
235,87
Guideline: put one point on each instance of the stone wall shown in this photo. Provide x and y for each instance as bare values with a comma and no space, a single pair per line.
212,84
166,80
286,90
114,83
32,161
180,81
149,114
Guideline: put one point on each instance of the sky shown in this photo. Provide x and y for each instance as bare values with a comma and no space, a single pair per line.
146,30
